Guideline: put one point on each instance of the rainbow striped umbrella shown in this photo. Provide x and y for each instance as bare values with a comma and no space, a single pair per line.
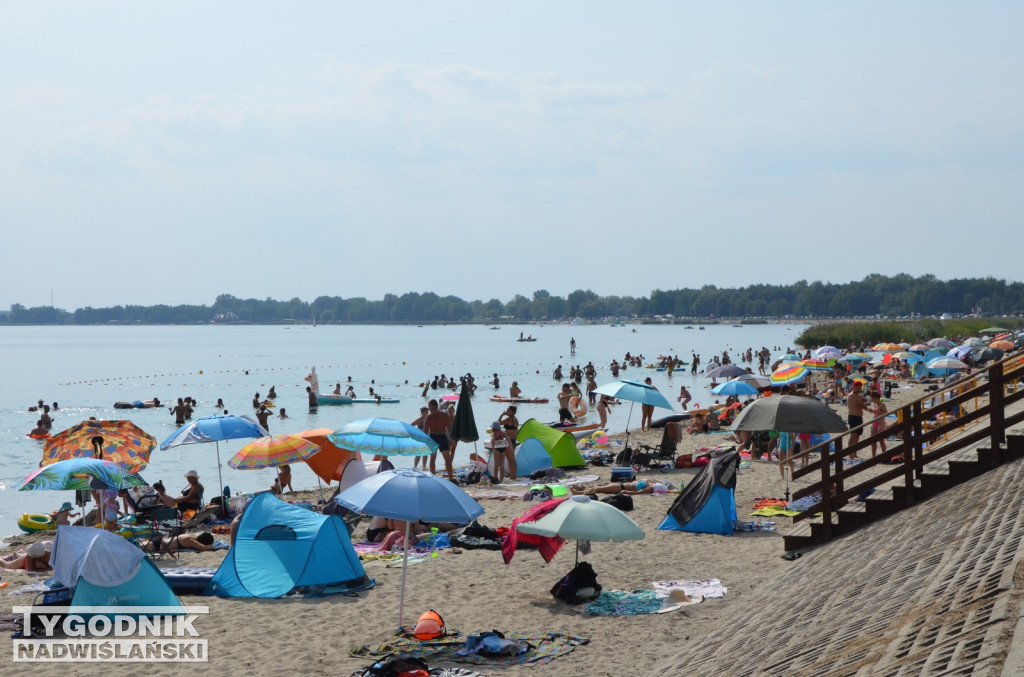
945,364
121,442
791,373
273,451
815,365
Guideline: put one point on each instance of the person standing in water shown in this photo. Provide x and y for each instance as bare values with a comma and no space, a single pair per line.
572,346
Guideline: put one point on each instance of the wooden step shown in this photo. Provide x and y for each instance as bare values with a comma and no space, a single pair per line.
799,537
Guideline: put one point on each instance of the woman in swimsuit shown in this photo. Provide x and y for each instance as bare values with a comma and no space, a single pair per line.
36,557
510,424
631,488
203,543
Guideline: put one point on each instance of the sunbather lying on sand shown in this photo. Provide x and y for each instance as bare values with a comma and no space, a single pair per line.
631,488
202,542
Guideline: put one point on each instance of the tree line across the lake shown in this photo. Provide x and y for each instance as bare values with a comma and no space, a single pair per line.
876,295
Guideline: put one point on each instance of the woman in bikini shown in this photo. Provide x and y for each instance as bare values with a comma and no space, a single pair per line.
36,557
630,488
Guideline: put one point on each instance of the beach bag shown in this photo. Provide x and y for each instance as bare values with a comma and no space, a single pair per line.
582,579
624,457
684,460
429,626
398,666
623,502
494,643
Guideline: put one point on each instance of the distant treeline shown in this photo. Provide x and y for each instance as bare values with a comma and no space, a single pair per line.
875,295
866,334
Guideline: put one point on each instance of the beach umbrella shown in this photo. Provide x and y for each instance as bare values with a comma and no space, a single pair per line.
944,365
958,352
789,357
121,442
941,342
634,391
464,423
759,381
815,365
974,342
994,330
828,352
792,373
919,348
216,429
1008,346
581,519
988,355
855,358
789,414
887,347
725,371
383,436
932,354
272,451
735,388
410,495
78,474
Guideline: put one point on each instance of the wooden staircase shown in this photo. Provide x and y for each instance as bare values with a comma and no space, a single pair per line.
936,456
883,502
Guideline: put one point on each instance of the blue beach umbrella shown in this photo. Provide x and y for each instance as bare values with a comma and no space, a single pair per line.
215,429
408,494
634,391
734,388
384,436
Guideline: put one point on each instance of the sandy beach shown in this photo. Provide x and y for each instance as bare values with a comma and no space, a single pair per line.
475,591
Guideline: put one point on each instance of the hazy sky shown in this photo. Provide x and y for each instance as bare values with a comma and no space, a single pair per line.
170,152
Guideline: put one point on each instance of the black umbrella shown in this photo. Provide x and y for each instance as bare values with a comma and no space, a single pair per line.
988,355
464,425
789,414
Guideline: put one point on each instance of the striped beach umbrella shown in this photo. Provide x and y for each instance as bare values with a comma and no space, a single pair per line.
945,365
828,352
815,365
919,348
273,451
887,347
789,374
120,442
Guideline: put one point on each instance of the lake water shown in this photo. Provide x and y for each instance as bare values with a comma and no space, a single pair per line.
87,369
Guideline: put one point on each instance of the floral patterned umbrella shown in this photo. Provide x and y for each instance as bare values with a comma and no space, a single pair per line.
121,442
78,474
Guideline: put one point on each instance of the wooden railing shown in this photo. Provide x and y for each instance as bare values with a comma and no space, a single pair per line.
927,433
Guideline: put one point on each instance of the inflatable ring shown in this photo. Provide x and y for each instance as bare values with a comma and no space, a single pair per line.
39,437
577,406
30,524
598,434
135,531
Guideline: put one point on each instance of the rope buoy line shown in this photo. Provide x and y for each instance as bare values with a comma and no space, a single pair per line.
202,372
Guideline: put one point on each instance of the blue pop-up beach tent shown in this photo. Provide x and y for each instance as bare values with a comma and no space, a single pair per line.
532,456
708,504
106,570
280,547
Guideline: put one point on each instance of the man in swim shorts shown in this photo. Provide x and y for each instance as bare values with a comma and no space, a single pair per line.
437,424
311,396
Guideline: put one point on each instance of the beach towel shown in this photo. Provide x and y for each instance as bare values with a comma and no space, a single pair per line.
545,647
709,588
772,511
635,603
547,546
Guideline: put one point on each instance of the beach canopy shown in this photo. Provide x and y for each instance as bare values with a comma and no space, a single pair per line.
531,456
280,547
560,446
708,504
106,570
332,462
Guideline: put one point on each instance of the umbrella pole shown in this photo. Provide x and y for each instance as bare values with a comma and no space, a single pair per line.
220,478
405,564
628,417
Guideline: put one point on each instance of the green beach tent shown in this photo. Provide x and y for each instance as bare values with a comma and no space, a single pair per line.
561,446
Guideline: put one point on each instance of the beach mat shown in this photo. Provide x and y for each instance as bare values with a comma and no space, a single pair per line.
635,603
544,648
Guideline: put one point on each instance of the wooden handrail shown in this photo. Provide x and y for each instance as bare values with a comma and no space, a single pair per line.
919,436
